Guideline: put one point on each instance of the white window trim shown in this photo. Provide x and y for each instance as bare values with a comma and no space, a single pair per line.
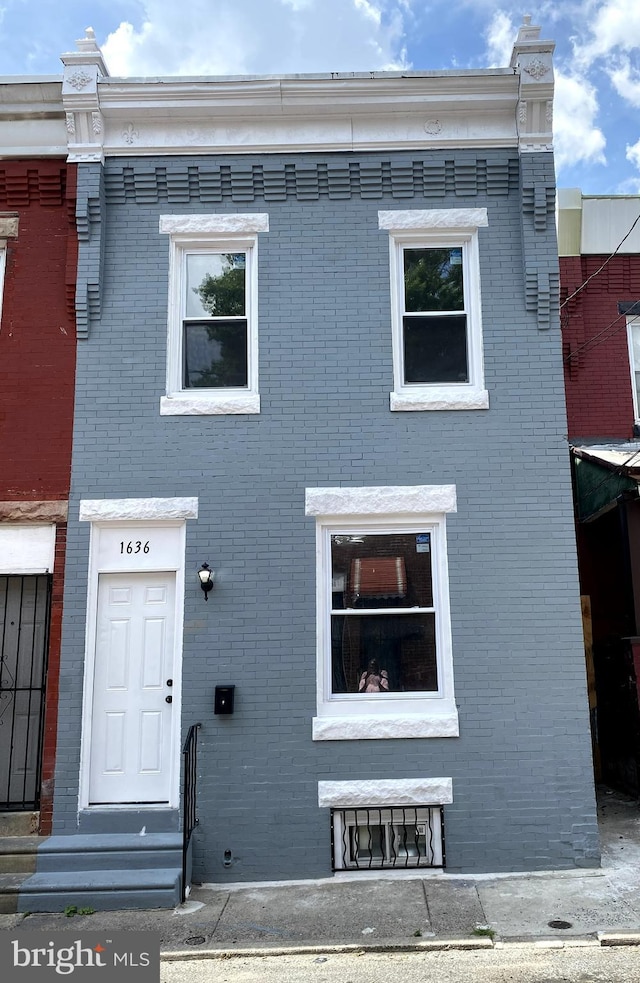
633,320
410,509
436,228
214,231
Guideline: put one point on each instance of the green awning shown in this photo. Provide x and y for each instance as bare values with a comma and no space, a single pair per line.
602,475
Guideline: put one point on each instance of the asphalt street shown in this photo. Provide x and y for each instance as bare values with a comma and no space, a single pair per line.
511,963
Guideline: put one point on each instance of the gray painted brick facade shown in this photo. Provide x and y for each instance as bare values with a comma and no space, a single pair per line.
521,768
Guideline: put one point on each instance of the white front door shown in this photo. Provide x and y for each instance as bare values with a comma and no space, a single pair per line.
130,757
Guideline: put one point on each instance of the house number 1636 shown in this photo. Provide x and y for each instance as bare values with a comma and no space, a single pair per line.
136,546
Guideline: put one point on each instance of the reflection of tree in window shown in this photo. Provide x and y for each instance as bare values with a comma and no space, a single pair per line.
223,295
433,280
215,350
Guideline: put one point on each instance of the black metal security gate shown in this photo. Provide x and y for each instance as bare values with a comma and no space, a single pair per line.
25,605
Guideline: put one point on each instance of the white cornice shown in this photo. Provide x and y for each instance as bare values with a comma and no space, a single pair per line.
341,113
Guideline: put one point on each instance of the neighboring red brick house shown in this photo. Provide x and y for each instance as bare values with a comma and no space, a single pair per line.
38,259
599,242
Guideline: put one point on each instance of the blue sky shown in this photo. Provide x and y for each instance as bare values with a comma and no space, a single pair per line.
597,112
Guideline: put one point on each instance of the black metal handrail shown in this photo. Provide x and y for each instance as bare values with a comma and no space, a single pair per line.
189,818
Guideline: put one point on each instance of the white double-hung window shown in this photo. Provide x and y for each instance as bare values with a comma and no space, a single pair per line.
436,308
212,347
384,656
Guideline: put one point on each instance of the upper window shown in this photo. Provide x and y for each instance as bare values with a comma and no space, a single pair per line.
436,313
384,640
212,358
633,333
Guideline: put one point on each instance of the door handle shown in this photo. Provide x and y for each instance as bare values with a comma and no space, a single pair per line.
168,699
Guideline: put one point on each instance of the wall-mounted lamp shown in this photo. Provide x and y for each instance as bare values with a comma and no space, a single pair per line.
205,576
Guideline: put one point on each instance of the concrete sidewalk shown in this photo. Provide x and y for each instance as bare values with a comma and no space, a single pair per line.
401,911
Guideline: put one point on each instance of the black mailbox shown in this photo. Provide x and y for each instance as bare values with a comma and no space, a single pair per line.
223,699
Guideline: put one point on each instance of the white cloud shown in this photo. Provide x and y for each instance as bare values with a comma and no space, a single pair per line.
576,136
369,10
225,37
633,154
500,35
626,81
613,25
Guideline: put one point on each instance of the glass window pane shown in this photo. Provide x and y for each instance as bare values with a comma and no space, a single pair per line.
635,343
215,285
435,349
367,843
433,280
377,654
409,840
379,571
215,354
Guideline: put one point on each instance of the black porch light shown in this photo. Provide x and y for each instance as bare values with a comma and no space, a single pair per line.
205,576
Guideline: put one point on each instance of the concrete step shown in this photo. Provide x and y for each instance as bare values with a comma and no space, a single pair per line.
19,823
18,853
9,887
101,890
114,851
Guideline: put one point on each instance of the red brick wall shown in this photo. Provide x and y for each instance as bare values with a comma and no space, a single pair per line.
37,371
37,331
596,359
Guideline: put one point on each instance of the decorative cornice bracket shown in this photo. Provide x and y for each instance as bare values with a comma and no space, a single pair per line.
532,59
83,69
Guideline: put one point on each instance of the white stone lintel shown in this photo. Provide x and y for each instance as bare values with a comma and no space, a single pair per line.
389,500
385,727
433,218
384,792
214,224
123,509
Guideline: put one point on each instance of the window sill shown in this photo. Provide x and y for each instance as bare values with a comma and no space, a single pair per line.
182,404
440,398
382,727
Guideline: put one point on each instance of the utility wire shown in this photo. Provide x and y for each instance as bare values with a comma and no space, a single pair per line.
587,345
601,268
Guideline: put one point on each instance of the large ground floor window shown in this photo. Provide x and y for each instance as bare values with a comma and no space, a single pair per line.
384,636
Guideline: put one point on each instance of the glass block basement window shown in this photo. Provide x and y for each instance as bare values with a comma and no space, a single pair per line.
387,838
